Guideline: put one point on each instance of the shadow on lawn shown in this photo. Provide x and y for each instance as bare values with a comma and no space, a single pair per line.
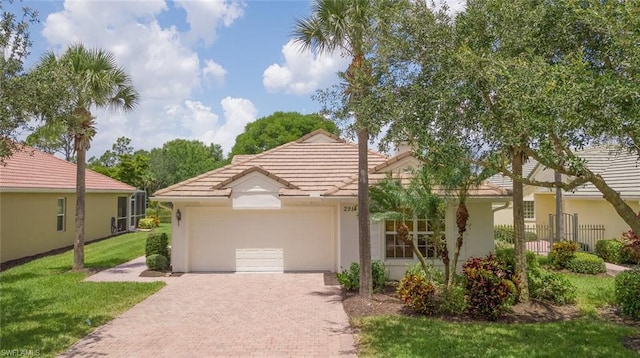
33,324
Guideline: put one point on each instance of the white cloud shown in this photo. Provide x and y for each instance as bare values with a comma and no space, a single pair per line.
165,70
214,71
302,72
204,17
198,121
237,113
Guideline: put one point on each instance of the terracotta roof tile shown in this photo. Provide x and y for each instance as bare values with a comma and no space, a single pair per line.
32,170
318,163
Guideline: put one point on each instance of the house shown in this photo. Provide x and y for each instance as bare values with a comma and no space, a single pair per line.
38,200
503,212
620,169
294,208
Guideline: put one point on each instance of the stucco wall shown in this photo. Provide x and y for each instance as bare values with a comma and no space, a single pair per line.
28,221
478,239
505,216
590,212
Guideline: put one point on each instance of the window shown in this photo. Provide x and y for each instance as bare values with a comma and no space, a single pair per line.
420,230
61,213
529,209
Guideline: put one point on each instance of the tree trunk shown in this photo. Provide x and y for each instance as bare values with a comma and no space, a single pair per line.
517,159
364,237
78,245
613,197
462,216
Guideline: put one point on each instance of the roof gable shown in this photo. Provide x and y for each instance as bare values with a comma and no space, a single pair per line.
31,170
320,136
258,170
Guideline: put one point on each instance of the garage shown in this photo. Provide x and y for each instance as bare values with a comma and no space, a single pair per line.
293,239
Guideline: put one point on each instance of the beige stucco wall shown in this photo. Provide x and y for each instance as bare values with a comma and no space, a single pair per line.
478,238
28,221
545,204
590,212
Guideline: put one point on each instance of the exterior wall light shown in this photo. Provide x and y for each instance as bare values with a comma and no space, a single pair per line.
178,216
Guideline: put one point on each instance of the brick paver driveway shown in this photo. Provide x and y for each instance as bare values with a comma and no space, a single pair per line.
229,315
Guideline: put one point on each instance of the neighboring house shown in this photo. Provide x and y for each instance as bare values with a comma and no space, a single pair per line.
620,169
38,200
294,208
503,212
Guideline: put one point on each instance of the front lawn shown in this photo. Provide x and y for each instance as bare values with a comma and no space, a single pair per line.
593,292
45,307
588,336
425,337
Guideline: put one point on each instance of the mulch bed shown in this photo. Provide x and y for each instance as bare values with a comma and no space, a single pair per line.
387,303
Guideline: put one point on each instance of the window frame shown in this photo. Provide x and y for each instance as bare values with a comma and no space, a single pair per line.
419,228
61,213
529,213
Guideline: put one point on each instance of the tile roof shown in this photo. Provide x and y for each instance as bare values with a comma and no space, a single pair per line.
32,170
506,182
318,163
619,169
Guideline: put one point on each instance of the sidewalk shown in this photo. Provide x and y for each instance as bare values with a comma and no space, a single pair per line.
129,272
613,269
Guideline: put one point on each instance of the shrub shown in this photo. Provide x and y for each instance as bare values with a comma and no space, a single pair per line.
508,257
631,249
610,250
452,301
418,293
157,243
433,274
583,262
156,220
163,214
502,245
379,275
530,236
350,279
551,286
505,233
489,288
627,293
561,253
146,223
157,262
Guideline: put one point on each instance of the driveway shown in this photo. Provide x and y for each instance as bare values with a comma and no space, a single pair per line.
229,315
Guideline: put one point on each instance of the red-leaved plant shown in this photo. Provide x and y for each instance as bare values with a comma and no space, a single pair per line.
489,286
631,249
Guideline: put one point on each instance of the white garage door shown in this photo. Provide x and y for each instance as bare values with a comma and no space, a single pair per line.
267,240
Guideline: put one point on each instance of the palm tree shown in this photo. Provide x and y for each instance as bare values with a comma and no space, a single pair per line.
393,200
343,25
93,79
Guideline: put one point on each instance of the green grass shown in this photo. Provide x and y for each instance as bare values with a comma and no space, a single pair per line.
45,307
424,337
593,292
588,336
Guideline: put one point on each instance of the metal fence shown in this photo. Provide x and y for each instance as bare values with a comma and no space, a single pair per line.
540,237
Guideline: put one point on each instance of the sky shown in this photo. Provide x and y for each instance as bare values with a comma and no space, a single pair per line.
204,69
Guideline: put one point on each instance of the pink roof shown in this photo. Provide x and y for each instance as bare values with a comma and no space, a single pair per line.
318,163
32,170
